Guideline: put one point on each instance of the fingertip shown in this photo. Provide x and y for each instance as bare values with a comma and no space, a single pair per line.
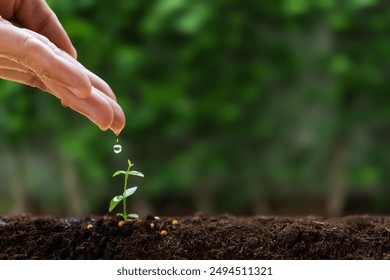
103,127
73,52
68,48
119,120
104,120
117,129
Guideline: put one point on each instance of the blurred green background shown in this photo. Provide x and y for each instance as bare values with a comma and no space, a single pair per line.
246,107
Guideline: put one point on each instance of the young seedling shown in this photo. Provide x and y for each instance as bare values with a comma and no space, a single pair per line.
126,193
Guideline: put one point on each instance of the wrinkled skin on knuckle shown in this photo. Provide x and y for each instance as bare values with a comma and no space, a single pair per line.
28,55
36,82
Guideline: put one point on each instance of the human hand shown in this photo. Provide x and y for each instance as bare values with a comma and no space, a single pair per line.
35,50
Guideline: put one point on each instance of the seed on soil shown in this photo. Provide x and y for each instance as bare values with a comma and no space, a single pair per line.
152,218
164,232
89,226
121,223
152,225
175,222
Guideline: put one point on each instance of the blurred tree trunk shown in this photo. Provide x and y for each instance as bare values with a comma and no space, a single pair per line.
204,197
18,182
260,204
338,184
75,204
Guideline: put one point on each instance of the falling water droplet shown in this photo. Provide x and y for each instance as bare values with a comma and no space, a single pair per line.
117,147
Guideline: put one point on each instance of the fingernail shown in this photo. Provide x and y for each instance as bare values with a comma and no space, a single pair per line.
117,127
116,131
103,128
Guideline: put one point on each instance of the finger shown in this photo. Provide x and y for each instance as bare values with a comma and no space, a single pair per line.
14,71
37,16
96,81
95,107
6,63
99,108
2,20
96,112
20,46
22,77
119,121
101,85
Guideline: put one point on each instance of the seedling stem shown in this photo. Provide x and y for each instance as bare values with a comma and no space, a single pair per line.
126,193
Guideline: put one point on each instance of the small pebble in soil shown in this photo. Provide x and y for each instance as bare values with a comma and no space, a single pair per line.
156,217
121,223
71,222
89,226
175,222
152,225
3,223
164,232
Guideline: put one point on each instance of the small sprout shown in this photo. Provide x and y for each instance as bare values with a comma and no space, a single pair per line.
126,193
175,222
156,217
121,223
164,232
89,227
152,225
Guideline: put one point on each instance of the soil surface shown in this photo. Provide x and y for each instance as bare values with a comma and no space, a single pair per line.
195,237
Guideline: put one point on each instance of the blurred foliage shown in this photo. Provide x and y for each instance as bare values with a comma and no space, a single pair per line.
231,105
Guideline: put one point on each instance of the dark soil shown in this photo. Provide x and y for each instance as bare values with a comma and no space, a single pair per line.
196,237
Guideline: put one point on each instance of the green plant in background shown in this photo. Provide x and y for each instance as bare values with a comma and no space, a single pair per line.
312,82
126,192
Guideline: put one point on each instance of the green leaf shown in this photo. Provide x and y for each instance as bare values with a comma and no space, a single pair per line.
129,192
114,202
119,172
133,216
121,215
136,173
129,163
